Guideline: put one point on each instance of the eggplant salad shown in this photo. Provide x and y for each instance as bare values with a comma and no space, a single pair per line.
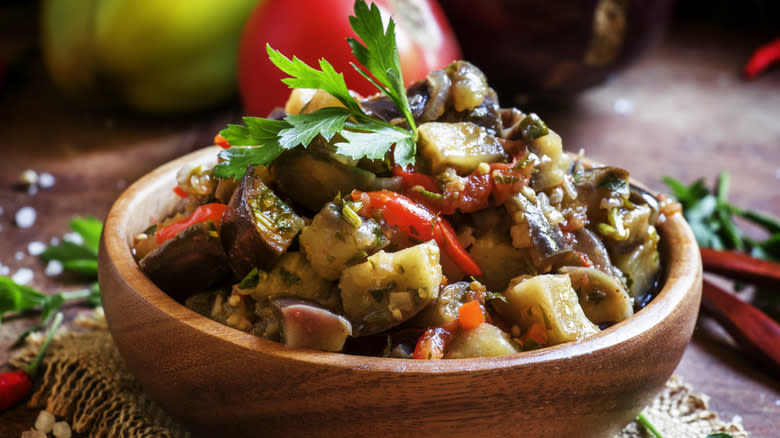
495,241
425,222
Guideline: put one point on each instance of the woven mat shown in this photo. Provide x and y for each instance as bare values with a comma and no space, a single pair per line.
87,384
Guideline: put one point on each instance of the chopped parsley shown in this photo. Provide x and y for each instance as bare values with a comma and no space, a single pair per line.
259,141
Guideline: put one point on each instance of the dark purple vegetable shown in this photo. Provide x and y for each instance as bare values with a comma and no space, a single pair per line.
307,325
189,262
257,227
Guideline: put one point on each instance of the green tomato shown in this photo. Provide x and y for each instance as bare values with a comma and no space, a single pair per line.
155,56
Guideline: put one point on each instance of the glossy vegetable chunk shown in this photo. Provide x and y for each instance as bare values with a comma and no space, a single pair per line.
292,275
461,146
257,226
306,325
602,297
189,262
390,288
486,340
338,238
314,178
548,300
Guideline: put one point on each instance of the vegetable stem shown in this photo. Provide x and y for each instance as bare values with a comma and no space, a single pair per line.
648,425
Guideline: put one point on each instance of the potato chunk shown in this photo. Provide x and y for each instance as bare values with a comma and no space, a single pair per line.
550,300
486,340
389,288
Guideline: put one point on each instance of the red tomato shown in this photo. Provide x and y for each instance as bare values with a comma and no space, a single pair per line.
314,29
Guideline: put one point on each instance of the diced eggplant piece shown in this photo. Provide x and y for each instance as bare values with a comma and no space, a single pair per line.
306,325
257,226
499,260
190,262
461,146
601,187
641,267
390,288
602,297
549,300
312,179
547,240
333,242
469,85
553,162
292,275
445,308
486,340
589,244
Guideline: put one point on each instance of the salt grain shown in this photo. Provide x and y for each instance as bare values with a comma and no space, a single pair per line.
623,106
23,276
28,178
46,180
19,255
4,270
32,190
25,217
36,248
62,429
44,422
54,267
54,241
73,238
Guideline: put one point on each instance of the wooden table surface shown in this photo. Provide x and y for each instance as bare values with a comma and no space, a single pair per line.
682,111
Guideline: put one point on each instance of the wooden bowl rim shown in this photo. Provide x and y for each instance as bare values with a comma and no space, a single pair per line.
683,272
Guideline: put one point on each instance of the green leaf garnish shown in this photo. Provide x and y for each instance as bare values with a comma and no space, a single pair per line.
261,141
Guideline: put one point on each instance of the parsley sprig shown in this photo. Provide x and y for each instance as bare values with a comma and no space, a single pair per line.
260,141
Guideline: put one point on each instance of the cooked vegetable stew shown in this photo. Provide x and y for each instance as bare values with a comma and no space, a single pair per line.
494,241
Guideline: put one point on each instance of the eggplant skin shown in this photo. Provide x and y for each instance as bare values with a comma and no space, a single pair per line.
257,226
190,262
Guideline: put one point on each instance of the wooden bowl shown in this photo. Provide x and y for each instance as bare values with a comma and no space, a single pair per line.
223,382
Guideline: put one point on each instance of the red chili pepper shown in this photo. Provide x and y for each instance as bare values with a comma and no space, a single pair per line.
221,142
418,222
206,212
434,341
16,385
762,58
179,192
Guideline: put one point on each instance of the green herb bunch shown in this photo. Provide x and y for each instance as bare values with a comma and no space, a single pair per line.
711,217
79,258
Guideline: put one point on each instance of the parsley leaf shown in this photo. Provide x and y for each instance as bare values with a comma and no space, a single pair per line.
379,56
711,217
263,140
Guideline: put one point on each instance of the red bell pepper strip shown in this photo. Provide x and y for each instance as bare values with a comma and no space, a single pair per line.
16,385
418,222
207,212
762,58
221,142
434,341
179,192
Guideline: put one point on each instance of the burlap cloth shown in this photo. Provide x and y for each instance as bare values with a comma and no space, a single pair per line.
87,384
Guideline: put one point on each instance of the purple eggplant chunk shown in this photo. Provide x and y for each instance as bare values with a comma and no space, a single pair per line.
189,262
257,227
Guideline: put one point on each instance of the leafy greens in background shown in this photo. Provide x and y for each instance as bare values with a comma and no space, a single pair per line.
259,141
711,217
80,258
